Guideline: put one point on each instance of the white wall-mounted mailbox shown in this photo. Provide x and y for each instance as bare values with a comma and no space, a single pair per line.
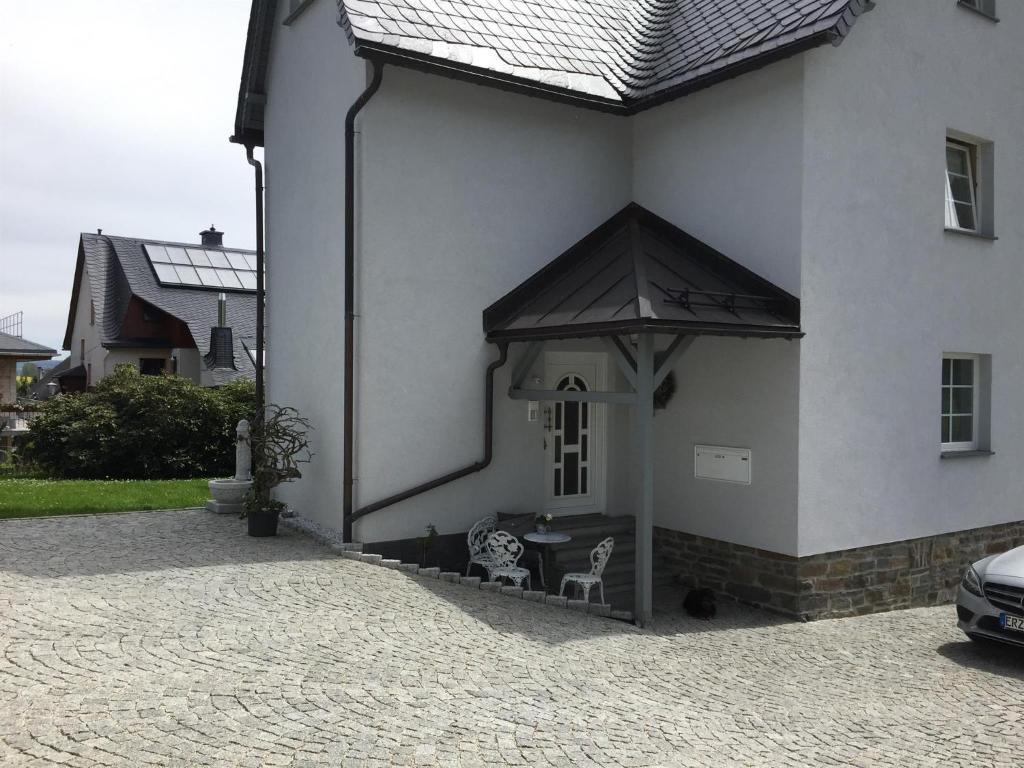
727,465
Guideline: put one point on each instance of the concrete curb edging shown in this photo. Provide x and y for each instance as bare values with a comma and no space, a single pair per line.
354,551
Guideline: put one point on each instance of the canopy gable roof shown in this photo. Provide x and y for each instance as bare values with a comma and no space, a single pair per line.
637,272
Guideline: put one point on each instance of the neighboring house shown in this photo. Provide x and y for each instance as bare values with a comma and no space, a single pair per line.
58,380
13,350
153,304
843,451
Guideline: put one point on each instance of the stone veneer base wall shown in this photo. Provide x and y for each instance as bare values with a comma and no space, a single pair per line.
883,577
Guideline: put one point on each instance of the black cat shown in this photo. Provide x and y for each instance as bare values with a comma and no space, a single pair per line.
700,603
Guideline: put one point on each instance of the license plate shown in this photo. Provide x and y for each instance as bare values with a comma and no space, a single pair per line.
1015,623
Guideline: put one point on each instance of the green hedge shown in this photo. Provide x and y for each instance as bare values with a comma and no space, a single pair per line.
140,427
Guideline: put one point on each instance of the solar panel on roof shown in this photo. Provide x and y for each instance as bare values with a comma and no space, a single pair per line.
202,267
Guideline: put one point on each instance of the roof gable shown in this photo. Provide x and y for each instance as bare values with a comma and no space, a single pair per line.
639,272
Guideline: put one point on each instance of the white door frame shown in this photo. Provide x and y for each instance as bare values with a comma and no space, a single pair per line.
593,368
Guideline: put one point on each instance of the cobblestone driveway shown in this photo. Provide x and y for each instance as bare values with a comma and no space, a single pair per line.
174,639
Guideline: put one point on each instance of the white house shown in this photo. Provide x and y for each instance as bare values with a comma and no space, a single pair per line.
155,304
812,209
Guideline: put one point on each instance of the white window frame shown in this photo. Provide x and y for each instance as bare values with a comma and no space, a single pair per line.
972,445
952,219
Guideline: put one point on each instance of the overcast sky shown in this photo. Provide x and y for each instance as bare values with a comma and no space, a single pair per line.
114,114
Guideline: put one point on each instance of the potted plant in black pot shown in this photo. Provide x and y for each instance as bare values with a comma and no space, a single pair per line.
280,443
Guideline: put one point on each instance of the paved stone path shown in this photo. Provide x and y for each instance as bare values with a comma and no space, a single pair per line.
171,638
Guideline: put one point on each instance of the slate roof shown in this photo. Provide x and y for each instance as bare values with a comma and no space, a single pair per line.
23,349
637,272
617,55
118,269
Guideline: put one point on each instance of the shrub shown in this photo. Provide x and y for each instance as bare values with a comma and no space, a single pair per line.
140,427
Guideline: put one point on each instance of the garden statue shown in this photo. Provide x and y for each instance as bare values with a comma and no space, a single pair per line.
243,452
229,495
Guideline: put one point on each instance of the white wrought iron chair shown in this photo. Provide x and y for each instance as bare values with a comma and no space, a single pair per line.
598,560
477,541
505,550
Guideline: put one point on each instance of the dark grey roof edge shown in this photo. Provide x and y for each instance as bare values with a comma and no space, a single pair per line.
249,112
73,308
401,57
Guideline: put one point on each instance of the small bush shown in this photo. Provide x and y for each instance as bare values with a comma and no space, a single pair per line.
140,427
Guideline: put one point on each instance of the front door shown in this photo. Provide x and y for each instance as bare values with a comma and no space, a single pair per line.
574,434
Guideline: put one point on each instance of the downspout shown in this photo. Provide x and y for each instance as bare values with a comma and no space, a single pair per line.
468,470
260,290
350,314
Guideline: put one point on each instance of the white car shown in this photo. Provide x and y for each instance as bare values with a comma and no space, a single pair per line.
990,600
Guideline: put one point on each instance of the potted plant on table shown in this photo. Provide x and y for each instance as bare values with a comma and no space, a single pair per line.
280,443
543,522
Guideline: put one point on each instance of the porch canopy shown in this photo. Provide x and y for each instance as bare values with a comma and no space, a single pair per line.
634,277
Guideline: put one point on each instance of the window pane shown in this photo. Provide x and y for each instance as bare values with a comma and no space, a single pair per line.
583,448
583,480
558,483
960,188
237,260
956,160
571,465
558,415
188,275
963,371
199,258
572,423
945,401
964,216
963,400
947,367
963,429
177,255
250,260
166,273
208,276
945,430
558,448
218,259
248,280
584,412
228,278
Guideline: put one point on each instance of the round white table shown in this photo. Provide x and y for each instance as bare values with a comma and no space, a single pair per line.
546,540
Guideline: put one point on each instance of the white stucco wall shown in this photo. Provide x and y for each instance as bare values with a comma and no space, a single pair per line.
84,329
313,78
466,191
886,291
724,165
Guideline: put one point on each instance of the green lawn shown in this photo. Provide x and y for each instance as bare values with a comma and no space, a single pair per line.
36,498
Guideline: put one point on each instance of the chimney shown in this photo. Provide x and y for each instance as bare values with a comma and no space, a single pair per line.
212,237
222,344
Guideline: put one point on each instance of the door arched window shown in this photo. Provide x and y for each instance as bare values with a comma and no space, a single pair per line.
572,435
